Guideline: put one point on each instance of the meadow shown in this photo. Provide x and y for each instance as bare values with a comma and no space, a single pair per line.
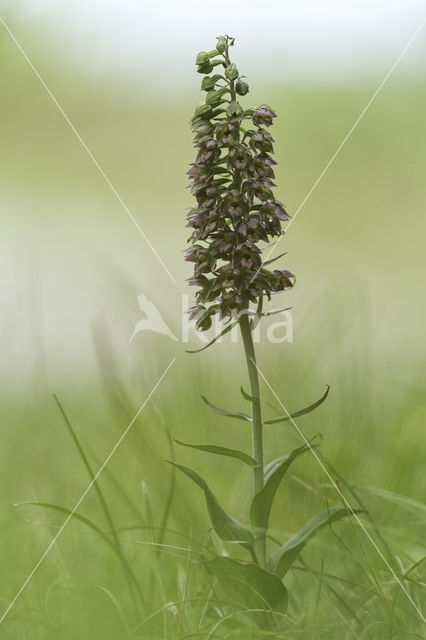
73,264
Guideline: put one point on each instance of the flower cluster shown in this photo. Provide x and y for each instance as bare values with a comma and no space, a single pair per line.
232,179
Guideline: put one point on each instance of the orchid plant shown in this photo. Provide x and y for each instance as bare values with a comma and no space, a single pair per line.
234,219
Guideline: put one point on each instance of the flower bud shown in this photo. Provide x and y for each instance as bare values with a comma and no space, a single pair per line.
202,110
241,87
209,82
214,98
231,72
202,57
221,44
206,67
234,109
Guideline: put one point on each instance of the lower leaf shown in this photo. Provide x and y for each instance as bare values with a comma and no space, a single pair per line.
281,561
226,527
248,584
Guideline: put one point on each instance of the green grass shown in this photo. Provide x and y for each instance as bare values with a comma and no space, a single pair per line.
73,267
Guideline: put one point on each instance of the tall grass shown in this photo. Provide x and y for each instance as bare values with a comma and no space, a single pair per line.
339,588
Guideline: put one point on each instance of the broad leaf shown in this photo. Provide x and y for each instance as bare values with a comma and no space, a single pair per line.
302,412
222,451
230,414
226,527
219,335
274,472
251,586
281,561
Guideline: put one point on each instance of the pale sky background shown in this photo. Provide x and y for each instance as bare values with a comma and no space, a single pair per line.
295,38
152,47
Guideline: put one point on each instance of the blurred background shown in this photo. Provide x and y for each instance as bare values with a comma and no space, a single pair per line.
74,262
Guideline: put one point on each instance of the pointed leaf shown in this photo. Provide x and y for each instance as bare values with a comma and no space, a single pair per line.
275,311
219,335
274,472
222,451
249,585
226,527
230,414
302,412
281,561
265,264
247,396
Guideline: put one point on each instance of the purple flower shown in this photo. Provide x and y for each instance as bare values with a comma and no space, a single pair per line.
275,208
240,157
263,116
261,140
225,133
232,181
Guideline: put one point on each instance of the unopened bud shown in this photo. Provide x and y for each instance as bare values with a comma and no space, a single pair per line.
202,110
221,44
213,98
241,87
234,109
202,57
206,67
209,82
231,72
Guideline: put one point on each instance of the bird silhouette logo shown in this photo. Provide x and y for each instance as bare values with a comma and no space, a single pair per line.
153,320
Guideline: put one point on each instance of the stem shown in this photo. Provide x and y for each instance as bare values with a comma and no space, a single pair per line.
257,433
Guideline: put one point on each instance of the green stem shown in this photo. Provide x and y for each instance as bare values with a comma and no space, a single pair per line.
257,431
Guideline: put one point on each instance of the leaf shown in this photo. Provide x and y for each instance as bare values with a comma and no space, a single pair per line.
264,264
230,414
250,585
219,335
302,412
274,472
275,312
222,451
281,561
227,528
247,396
